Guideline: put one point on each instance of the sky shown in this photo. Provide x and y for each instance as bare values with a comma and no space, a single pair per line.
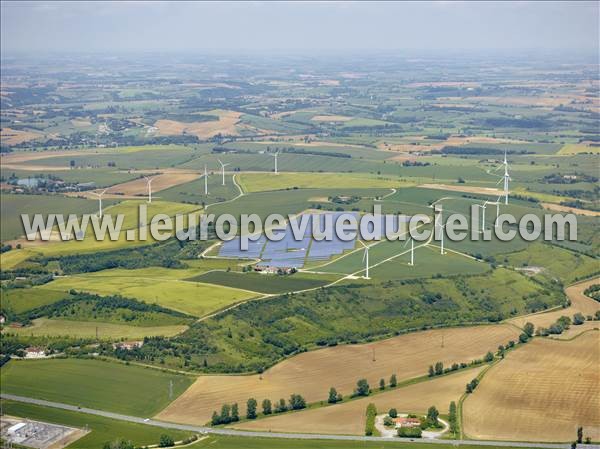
46,26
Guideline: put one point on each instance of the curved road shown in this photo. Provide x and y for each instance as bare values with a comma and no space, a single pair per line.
242,433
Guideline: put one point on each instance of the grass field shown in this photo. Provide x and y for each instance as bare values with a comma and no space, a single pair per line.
22,299
573,148
556,262
541,392
263,283
257,182
193,298
349,418
14,205
102,429
312,373
95,384
226,442
91,329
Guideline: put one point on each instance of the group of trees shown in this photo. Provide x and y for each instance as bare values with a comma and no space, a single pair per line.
231,414
472,385
120,443
558,327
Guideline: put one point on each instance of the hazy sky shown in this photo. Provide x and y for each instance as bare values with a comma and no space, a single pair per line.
187,26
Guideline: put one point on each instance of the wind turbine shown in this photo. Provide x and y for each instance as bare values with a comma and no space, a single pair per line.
366,259
205,180
412,251
439,216
149,184
223,169
99,196
482,206
505,178
275,156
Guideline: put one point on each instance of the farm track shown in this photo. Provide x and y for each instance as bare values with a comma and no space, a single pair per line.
241,433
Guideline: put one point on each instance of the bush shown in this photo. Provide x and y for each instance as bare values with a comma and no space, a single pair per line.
410,432
362,388
166,441
393,413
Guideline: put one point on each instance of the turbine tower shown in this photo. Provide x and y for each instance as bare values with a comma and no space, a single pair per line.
412,251
223,169
149,184
99,196
505,178
440,219
482,206
275,156
205,180
366,259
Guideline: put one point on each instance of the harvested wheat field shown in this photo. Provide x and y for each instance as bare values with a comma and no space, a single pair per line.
331,118
10,136
570,210
579,303
159,182
226,125
349,418
541,392
312,373
463,188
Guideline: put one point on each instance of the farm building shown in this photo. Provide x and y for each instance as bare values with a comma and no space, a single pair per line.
407,422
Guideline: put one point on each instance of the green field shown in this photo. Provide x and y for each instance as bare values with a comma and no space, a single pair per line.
44,327
14,205
193,298
102,429
95,384
255,182
19,300
263,283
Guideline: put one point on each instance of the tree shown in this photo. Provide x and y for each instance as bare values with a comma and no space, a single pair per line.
578,319
431,371
393,381
251,408
439,368
362,388
393,413
452,417
225,414
433,414
488,357
297,402
523,338
529,329
580,435
381,384
235,414
281,407
166,441
266,407
333,395
215,420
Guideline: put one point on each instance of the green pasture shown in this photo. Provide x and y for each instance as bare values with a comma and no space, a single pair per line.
95,384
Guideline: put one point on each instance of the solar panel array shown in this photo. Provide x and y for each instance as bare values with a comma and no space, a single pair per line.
289,252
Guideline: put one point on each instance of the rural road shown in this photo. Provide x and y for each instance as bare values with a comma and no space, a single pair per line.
242,433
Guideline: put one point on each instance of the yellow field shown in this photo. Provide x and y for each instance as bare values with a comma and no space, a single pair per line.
226,125
313,373
193,298
570,210
46,327
159,182
10,136
349,418
259,182
579,303
574,148
541,392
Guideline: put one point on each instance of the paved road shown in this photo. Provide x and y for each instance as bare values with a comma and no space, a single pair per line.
303,436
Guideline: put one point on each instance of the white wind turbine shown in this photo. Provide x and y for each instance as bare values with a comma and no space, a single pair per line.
412,251
275,156
223,169
149,184
440,219
482,206
205,180
99,196
366,259
505,178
